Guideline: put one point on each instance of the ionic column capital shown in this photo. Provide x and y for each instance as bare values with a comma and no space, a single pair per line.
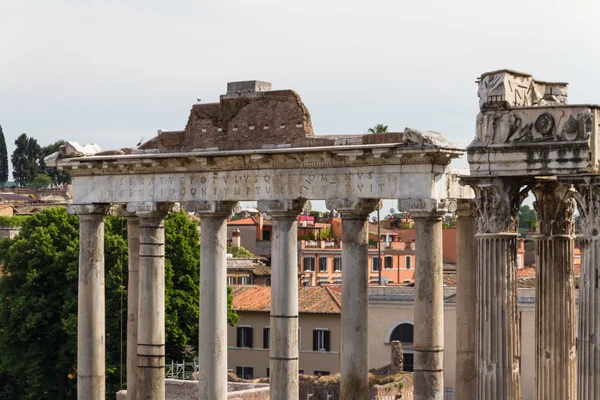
424,208
554,207
466,208
94,210
150,209
284,208
354,207
215,208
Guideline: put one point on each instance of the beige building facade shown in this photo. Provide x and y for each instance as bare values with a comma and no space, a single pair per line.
249,342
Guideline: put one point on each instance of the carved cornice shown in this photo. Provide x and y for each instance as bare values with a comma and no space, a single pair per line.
498,201
217,208
344,156
151,209
349,207
89,209
554,207
284,207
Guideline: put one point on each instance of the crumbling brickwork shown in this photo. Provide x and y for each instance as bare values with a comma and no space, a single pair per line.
241,120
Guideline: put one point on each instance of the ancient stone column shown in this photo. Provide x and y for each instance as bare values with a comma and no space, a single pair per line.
588,331
498,326
284,296
428,368
133,245
91,335
466,300
355,280
555,293
151,299
212,348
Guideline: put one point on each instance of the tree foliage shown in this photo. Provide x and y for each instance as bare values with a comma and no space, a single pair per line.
3,159
239,251
25,159
41,181
527,217
379,128
38,310
58,177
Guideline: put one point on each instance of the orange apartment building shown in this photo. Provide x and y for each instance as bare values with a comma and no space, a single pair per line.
321,262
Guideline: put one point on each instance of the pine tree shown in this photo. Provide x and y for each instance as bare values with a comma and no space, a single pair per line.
3,159
25,160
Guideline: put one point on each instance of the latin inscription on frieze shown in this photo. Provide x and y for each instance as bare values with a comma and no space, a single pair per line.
361,182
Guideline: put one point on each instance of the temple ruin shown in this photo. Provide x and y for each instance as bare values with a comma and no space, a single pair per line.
256,144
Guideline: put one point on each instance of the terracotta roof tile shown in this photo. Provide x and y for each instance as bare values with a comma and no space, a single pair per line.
311,300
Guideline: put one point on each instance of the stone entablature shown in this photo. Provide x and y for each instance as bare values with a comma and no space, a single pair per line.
526,128
394,171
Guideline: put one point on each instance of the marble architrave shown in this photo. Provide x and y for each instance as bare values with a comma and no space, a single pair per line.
415,181
534,141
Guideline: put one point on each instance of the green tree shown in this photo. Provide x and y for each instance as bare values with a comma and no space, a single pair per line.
239,251
379,128
527,218
25,160
3,159
58,177
38,311
41,181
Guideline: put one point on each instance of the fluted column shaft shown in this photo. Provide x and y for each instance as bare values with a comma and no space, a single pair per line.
212,346
555,293
498,323
498,344
588,332
466,300
588,338
355,301
91,336
284,297
133,245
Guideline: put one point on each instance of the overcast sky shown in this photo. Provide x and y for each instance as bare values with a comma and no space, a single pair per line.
112,72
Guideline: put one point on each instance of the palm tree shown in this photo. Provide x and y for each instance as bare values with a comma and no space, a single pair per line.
379,128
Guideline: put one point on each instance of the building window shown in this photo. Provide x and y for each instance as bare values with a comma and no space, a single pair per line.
231,280
266,337
337,264
375,263
321,340
243,280
301,371
244,336
408,361
309,264
299,339
408,261
268,372
389,262
321,373
245,372
322,264
266,235
404,333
